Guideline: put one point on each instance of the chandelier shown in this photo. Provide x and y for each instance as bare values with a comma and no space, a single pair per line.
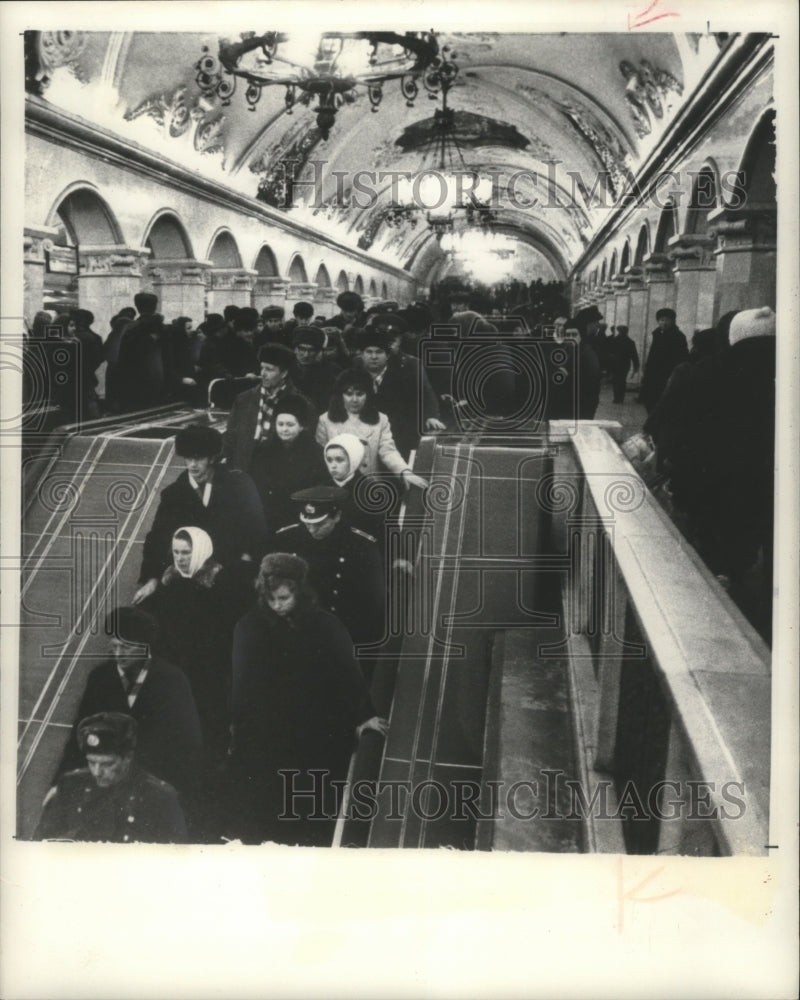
327,67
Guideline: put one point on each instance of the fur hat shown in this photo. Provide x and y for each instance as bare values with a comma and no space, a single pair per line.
213,323
278,355
309,336
145,302
107,733
272,312
752,323
351,301
132,625
303,310
372,336
666,313
198,441
297,406
246,319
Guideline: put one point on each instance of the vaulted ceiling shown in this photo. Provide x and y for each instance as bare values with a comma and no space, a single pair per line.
559,121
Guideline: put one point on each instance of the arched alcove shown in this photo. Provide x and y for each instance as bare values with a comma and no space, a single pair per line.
373,288
666,228
86,218
642,246
297,271
323,279
341,283
166,239
612,270
756,175
384,291
265,264
603,274
224,251
358,286
625,258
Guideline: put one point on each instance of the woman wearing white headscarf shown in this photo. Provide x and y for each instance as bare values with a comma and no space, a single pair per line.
366,499
196,612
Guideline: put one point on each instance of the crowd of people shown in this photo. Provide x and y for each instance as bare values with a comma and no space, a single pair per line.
240,668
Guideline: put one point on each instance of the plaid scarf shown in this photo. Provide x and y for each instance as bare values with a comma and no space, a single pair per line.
267,402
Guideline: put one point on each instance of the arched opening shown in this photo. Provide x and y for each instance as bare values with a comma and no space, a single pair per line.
625,259
167,239
384,291
642,246
358,287
81,218
266,265
603,274
297,271
666,228
87,220
373,288
756,178
341,283
224,252
612,270
323,279
703,201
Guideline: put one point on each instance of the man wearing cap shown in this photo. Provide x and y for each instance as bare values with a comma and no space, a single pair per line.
223,502
273,331
302,313
315,374
144,369
350,316
253,412
345,565
401,389
155,693
668,348
111,798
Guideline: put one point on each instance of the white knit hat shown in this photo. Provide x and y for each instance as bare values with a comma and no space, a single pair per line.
752,323
351,445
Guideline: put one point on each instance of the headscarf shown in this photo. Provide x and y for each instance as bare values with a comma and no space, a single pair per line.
353,447
202,550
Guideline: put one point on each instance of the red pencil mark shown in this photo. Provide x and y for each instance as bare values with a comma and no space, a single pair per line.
630,896
641,19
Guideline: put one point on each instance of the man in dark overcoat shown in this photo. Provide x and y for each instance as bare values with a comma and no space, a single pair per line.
144,374
402,391
155,693
111,798
223,502
315,374
253,412
668,348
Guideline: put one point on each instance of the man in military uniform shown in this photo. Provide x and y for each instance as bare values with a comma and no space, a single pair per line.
155,693
112,798
345,565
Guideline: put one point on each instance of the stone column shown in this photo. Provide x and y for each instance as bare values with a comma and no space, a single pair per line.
609,306
36,242
180,286
229,286
108,279
299,291
325,301
658,277
621,299
639,295
745,258
270,292
695,280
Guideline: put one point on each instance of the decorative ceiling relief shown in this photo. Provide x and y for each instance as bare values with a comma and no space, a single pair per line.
280,167
47,51
612,154
648,93
468,130
175,114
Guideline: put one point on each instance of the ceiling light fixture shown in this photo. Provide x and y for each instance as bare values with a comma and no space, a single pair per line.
328,67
